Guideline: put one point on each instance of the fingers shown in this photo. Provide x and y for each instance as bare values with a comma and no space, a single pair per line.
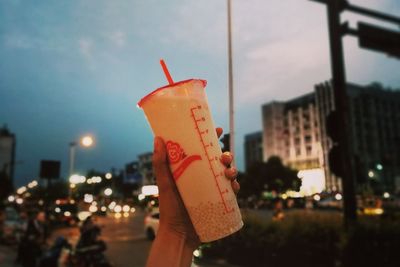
231,173
160,165
235,186
219,131
226,158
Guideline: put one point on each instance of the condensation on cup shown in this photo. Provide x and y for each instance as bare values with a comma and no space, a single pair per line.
180,115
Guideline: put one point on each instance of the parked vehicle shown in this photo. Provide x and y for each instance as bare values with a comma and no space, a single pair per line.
13,226
151,223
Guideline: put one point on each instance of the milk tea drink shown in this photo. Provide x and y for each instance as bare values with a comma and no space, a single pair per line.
179,113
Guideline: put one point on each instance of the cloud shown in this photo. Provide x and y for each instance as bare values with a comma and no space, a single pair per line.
118,38
86,47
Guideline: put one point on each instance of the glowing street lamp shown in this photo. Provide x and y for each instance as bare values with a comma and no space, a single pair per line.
85,141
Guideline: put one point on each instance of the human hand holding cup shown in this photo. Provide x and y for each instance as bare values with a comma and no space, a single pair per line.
179,114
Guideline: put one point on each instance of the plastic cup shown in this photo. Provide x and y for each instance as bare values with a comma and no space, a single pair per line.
179,113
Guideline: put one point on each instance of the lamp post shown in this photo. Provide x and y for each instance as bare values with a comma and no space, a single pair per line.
85,141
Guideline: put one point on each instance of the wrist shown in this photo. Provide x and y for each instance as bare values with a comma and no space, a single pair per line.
190,238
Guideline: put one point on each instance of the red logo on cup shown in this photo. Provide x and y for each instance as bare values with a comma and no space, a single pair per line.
175,155
175,152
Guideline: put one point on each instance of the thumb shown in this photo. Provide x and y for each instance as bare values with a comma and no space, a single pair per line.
160,165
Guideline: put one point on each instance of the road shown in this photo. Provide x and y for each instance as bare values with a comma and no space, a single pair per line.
125,239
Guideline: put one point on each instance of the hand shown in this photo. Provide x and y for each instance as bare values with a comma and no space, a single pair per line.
174,217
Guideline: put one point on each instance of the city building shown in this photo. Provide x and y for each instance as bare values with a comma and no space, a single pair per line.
295,130
253,148
7,152
291,132
132,173
146,168
374,119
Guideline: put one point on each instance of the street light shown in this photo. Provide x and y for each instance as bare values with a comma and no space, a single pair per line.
85,141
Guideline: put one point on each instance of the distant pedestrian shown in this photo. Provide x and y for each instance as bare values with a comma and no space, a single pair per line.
278,214
30,247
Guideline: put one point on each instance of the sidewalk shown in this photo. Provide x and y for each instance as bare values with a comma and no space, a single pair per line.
7,256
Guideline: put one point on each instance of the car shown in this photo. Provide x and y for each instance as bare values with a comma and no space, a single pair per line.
13,226
151,223
330,203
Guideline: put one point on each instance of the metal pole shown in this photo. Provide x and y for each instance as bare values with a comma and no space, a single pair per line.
230,84
341,106
72,146
373,13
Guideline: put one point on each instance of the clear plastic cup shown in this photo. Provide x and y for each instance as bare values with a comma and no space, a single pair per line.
179,113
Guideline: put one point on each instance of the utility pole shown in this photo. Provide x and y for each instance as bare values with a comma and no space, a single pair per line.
230,84
335,7
341,156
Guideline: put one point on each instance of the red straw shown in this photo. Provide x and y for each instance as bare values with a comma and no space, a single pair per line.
166,72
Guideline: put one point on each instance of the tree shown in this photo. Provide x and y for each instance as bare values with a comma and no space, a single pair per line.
269,176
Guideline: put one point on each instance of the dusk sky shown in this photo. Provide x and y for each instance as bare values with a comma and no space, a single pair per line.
68,68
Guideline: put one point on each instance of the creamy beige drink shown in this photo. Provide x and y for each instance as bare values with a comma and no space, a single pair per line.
179,113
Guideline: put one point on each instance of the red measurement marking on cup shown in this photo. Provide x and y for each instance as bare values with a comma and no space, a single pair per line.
198,119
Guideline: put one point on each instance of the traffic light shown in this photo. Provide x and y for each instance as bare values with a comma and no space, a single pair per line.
332,129
379,39
226,142
335,161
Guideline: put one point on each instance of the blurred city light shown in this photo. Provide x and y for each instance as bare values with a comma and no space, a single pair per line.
386,195
317,197
21,190
117,208
93,208
19,201
58,210
112,205
77,179
371,174
108,175
312,181
133,210
108,191
103,209
87,141
72,186
126,208
40,202
149,190
196,253
96,179
88,198
338,196
83,215
141,197
126,214
33,184
67,213
117,215
11,199
379,167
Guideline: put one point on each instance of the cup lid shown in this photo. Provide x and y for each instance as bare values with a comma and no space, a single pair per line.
140,103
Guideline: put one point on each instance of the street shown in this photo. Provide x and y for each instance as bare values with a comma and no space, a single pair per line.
127,245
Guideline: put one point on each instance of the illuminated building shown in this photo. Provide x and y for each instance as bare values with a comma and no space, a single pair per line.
375,132
291,131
